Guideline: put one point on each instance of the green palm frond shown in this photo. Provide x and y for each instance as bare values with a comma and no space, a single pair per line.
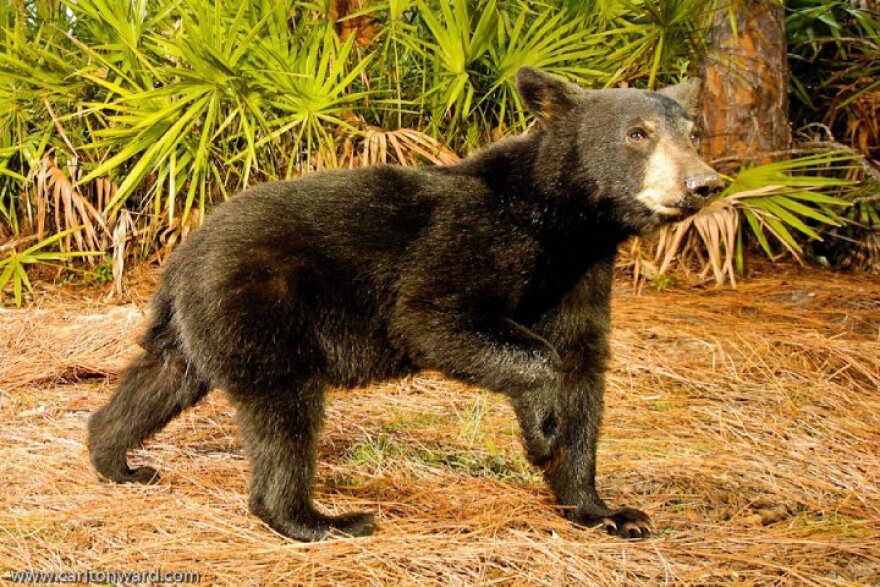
552,42
778,202
458,39
13,267
309,88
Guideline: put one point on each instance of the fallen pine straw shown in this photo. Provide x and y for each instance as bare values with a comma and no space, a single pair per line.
746,422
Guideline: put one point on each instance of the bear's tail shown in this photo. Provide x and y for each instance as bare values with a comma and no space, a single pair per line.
157,385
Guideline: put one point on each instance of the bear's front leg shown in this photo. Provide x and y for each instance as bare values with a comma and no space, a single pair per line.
492,352
571,473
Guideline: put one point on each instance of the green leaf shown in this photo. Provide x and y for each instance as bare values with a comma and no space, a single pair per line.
50,240
781,232
758,231
772,205
8,264
809,212
19,273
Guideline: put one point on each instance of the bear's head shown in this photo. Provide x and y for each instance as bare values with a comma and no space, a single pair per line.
633,152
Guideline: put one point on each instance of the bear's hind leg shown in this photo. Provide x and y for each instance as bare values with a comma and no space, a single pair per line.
153,390
280,430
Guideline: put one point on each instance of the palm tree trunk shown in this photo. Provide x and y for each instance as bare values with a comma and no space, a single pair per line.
745,76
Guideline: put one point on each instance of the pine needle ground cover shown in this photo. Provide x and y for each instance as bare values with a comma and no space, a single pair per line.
747,422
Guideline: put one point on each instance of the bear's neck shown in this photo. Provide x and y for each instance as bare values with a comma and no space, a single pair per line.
538,195
576,234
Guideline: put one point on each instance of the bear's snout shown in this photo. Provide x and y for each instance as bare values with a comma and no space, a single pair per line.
704,185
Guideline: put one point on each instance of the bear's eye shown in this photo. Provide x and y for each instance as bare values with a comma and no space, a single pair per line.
637,134
695,137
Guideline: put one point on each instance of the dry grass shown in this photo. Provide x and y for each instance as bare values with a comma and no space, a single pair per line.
747,422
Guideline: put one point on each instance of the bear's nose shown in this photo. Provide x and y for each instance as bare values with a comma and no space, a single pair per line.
704,185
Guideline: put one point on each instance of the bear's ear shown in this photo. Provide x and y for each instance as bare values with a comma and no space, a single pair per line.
546,96
686,93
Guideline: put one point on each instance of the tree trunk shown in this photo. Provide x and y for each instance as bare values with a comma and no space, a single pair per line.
745,87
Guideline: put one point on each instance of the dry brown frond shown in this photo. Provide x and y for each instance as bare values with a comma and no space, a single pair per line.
122,232
707,240
56,192
362,27
864,254
863,125
404,146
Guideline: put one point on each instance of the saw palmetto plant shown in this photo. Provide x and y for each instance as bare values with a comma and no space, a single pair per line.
132,118
777,205
834,49
14,263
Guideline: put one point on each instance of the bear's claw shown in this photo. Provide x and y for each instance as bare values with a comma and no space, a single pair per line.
626,522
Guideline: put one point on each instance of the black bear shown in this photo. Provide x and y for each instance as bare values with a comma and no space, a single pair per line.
495,271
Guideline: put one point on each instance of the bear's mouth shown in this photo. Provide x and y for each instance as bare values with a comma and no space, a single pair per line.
680,210
674,213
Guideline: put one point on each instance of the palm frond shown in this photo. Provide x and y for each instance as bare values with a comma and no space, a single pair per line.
777,200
